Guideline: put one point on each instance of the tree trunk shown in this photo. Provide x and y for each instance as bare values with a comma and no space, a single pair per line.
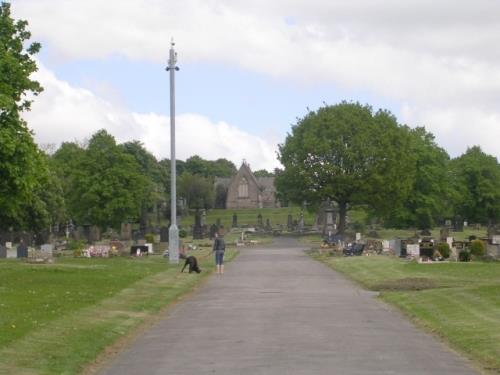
342,217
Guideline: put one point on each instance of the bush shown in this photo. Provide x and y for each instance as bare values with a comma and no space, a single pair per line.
444,249
477,248
183,233
76,245
149,237
464,256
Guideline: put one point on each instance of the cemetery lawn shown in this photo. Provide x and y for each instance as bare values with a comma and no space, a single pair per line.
460,302
58,318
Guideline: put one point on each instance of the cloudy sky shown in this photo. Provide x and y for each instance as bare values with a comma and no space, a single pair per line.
248,69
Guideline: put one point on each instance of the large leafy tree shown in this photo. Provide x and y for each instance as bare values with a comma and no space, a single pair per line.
198,191
22,167
476,183
348,154
103,184
430,198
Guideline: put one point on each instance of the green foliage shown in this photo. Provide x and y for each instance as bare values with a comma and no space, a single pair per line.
219,168
263,173
429,199
444,249
476,181
349,154
182,233
150,237
464,256
22,166
197,190
477,248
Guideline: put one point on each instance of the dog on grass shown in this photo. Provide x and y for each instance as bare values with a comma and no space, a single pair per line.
192,262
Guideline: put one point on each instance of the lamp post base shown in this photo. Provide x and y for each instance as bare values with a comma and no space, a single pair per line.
173,244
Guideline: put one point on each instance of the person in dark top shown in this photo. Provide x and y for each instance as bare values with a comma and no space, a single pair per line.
218,249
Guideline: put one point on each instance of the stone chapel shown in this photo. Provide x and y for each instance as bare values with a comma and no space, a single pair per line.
244,190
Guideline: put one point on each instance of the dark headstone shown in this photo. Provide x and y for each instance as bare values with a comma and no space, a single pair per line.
268,225
126,232
213,230
458,225
94,234
234,224
260,223
22,251
197,228
3,252
163,234
289,222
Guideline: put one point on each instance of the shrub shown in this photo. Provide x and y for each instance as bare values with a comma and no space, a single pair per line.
444,249
477,248
464,256
76,245
149,237
182,233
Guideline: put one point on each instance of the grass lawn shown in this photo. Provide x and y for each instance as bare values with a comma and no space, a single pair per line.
56,319
460,302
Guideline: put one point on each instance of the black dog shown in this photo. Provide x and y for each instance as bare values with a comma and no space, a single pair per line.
193,264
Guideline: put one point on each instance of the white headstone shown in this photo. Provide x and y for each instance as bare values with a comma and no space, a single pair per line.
495,240
358,236
413,250
386,245
150,248
47,248
8,245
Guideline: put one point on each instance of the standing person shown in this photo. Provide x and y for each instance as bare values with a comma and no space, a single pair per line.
218,249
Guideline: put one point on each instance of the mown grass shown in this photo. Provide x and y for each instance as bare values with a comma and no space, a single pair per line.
56,319
460,302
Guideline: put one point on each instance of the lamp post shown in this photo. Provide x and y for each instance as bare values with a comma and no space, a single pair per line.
173,232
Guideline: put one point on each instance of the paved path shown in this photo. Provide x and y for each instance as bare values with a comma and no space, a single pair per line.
276,311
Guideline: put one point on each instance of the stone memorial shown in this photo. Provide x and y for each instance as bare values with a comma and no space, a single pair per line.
164,234
289,222
234,223
47,248
300,224
197,228
268,225
94,233
22,250
458,224
126,232
3,252
260,222
212,231
413,250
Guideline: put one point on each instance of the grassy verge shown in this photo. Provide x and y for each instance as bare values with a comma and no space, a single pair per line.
460,302
56,319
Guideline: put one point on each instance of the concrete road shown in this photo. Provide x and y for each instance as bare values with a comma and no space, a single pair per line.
276,311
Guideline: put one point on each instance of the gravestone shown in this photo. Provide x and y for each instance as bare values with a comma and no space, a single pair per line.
218,223
234,224
458,225
22,250
197,228
260,223
126,232
300,225
3,252
413,250
213,230
444,233
289,222
330,220
268,225
47,248
94,233
164,234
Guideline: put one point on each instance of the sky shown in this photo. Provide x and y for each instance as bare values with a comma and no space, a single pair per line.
250,69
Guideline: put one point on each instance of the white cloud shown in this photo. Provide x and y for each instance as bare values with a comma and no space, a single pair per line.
64,113
440,57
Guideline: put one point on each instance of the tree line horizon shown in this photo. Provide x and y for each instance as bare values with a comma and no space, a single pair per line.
347,152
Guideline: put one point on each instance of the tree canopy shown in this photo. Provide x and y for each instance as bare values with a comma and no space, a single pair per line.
348,154
22,165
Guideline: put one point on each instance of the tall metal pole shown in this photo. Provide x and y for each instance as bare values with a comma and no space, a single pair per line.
173,232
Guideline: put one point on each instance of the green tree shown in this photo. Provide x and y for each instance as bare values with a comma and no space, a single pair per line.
429,199
349,154
476,183
104,184
21,163
198,191
262,173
